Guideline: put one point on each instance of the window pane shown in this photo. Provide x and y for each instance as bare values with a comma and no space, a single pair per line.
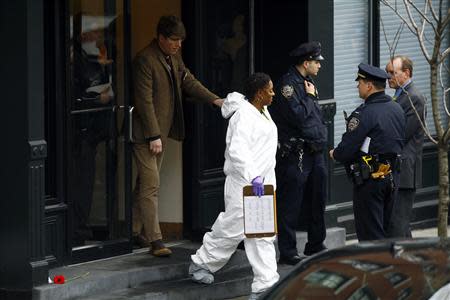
95,187
350,48
227,63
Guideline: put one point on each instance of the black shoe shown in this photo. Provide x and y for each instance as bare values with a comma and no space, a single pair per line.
309,252
140,241
292,260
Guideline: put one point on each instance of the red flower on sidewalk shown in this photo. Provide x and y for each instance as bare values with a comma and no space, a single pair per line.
59,279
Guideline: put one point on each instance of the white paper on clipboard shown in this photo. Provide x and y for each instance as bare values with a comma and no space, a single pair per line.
259,215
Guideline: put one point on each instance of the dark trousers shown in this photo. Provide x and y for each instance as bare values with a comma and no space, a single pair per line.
402,214
373,202
294,187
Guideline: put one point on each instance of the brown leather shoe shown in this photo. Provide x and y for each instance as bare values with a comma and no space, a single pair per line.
159,249
140,241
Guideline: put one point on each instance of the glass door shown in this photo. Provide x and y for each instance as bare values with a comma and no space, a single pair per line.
98,155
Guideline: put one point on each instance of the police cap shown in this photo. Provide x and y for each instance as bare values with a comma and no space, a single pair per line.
366,71
308,51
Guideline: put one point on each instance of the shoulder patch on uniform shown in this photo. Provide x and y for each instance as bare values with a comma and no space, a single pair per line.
353,124
287,91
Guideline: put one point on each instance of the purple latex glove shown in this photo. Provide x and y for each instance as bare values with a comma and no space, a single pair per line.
258,186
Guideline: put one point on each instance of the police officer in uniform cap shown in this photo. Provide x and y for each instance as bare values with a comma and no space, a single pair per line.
370,151
301,168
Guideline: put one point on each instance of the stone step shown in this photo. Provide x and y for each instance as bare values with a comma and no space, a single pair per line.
124,271
229,283
141,276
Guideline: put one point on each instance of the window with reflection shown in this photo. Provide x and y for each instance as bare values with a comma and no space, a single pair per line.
226,63
365,266
405,293
363,293
328,279
96,90
396,278
228,40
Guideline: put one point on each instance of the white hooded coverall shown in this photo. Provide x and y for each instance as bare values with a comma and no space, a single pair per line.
251,145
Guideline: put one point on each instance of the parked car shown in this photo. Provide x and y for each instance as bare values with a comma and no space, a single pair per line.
408,269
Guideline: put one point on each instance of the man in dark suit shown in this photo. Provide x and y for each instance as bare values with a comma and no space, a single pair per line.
413,103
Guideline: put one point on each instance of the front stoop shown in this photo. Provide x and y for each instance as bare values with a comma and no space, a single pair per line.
228,284
127,271
139,276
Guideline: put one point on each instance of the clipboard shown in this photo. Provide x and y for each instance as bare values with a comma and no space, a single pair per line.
260,214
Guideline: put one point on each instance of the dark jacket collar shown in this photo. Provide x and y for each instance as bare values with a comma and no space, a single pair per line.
293,69
408,87
377,98
161,55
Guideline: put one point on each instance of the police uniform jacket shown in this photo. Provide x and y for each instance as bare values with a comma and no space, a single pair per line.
158,94
379,118
296,113
411,166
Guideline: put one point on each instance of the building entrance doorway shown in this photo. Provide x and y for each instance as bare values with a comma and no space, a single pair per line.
144,16
98,118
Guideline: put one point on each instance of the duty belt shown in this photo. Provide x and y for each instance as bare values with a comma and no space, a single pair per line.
297,147
373,166
294,146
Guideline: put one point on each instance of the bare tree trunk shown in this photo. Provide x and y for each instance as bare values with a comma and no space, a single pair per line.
440,23
435,101
442,148
443,190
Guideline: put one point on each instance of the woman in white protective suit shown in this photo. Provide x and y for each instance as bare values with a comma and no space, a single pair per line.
251,145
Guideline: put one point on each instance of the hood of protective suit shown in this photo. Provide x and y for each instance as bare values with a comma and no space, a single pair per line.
232,103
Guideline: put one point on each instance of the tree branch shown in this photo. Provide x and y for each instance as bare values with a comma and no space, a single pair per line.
411,26
433,13
444,90
444,55
446,21
446,135
385,38
410,16
419,36
422,124
422,14
386,3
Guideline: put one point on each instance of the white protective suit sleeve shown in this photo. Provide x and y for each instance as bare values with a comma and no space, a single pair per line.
251,141
239,154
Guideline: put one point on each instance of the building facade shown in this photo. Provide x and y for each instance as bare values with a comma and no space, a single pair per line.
67,177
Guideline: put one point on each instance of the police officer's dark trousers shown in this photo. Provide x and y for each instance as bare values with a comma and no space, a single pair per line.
292,183
402,214
373,202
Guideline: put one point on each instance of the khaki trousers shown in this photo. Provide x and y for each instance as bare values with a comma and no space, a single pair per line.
146,192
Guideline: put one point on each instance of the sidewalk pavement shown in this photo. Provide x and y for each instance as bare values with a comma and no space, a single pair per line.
429,232
418,233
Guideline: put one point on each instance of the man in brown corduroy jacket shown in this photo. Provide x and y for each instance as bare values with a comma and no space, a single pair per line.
160,78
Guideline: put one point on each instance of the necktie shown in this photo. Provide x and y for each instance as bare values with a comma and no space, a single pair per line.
397,93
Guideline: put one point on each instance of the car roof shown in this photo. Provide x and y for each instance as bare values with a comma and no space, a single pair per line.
413,269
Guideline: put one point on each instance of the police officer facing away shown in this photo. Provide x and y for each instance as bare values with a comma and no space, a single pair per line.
370,149
301,168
